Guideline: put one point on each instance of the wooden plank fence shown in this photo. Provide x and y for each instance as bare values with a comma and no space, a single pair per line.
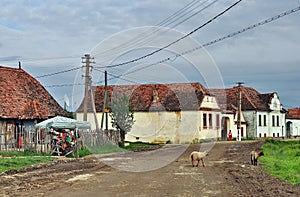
27,138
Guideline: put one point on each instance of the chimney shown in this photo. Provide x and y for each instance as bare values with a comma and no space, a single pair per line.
19,65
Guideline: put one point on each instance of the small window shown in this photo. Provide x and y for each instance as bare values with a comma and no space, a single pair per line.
265,120
259,120
273,120
204,121
260,135
277,121
218,121
210,120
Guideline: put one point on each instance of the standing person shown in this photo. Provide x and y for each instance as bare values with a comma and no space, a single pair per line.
230,135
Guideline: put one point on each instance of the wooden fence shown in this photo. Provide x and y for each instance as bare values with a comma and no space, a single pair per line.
27,138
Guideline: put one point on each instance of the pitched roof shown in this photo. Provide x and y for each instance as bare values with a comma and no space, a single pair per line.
22,96
251,99
147,97
293,113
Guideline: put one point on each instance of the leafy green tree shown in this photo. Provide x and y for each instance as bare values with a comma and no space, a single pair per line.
121,113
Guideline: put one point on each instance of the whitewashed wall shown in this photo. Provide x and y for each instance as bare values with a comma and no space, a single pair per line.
177,127
295,126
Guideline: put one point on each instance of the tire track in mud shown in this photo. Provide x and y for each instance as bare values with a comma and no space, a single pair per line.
227,173
45,177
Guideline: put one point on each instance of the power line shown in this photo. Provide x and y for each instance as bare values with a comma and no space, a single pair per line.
115,76
145,37
216,40
178,12
56,73
183,37
263,22
194,14
243,30
64,85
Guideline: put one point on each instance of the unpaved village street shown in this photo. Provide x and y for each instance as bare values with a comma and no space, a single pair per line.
151,173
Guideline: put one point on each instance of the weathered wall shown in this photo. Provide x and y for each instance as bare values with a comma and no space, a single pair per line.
177,127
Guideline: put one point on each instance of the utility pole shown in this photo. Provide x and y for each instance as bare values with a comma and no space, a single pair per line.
239,115
87,62
105,104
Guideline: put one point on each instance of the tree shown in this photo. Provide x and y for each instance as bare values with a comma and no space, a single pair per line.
121,113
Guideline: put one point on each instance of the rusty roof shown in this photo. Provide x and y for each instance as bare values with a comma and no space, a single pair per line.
22,96
169,97
293,113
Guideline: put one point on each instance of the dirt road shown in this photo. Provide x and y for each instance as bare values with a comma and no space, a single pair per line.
155,173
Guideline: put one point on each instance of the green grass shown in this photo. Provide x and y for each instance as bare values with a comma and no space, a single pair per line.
136,146
110,148
81,153
282,159
19,160
17,163
26,153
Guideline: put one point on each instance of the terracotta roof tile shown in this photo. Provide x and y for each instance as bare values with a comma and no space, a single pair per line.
171,97
251,99
293,113
22,96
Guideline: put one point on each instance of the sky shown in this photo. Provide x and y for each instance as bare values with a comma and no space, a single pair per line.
52,36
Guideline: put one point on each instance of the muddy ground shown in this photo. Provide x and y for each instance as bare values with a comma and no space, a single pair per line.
152,173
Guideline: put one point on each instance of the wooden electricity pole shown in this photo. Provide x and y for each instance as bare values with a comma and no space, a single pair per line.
104,110
87,62
239,114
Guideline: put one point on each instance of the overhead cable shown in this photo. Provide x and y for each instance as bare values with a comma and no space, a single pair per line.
146,37
216,40
56,73
183,37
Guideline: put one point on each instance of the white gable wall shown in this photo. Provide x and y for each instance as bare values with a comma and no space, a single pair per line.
275,104
209,102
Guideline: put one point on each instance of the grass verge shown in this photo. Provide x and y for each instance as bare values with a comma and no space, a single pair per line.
282,159
17,163
132,146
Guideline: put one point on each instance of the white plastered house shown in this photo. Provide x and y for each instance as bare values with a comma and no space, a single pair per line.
262,114
179,113
293,122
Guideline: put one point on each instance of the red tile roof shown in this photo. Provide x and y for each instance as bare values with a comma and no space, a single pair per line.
22,96
171,97
293,113
251,99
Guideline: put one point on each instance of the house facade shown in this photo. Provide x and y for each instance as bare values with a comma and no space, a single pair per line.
179,113
262,114
293,122
188,111
23,103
